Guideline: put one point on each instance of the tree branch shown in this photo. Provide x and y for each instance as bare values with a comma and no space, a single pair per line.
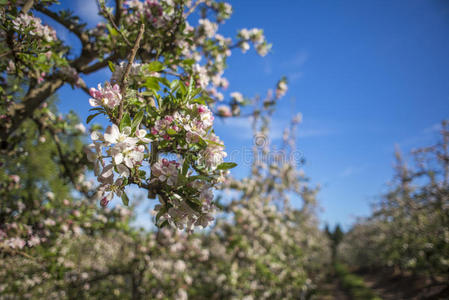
34,98
84,38
27,6
113,22
99,65
131,57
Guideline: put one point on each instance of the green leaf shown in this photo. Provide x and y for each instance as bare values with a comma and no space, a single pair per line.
162,211
226,166
137,119
193,205
165,223
174,84
125,199
185,166
214,143
97,109
152,83
201,177
182,88
164,81
125,122
155,66
188,62
171,131
89,118
202,142
111,66
112,30
189,91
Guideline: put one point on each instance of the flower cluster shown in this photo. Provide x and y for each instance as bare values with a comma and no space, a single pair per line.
256,36
109,96
150,10
166,171
281,88
27,23
126,153
184,188
183,213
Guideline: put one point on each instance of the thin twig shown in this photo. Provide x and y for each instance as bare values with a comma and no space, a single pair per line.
74,28
111,20
27,6
192,9
131,57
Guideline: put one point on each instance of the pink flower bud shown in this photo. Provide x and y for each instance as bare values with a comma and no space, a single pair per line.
104,202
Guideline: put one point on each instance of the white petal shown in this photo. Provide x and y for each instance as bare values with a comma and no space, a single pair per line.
95,135
94,102
118,158
112,134
128,162
126,130
107,171
123,171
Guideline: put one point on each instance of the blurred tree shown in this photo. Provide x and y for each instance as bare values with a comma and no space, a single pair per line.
335,237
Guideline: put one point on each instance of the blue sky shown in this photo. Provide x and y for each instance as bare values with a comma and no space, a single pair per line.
366,75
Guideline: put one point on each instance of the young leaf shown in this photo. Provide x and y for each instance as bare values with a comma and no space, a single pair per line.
161,212
155,66
89,118
214,143
226,166
125,122
164,81
125,199
185,166
171,131
111,66
152,83
137,119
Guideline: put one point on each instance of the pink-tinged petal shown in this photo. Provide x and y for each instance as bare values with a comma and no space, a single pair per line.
141,133
104,202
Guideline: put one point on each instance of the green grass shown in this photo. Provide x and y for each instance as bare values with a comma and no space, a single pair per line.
353,284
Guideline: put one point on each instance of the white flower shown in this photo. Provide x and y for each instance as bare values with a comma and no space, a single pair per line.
238,97
114,136
80,127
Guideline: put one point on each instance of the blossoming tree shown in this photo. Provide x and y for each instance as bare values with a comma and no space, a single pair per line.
166,89
167,77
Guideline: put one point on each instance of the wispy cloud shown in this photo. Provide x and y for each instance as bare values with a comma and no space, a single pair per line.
295,76
351,170
298,60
